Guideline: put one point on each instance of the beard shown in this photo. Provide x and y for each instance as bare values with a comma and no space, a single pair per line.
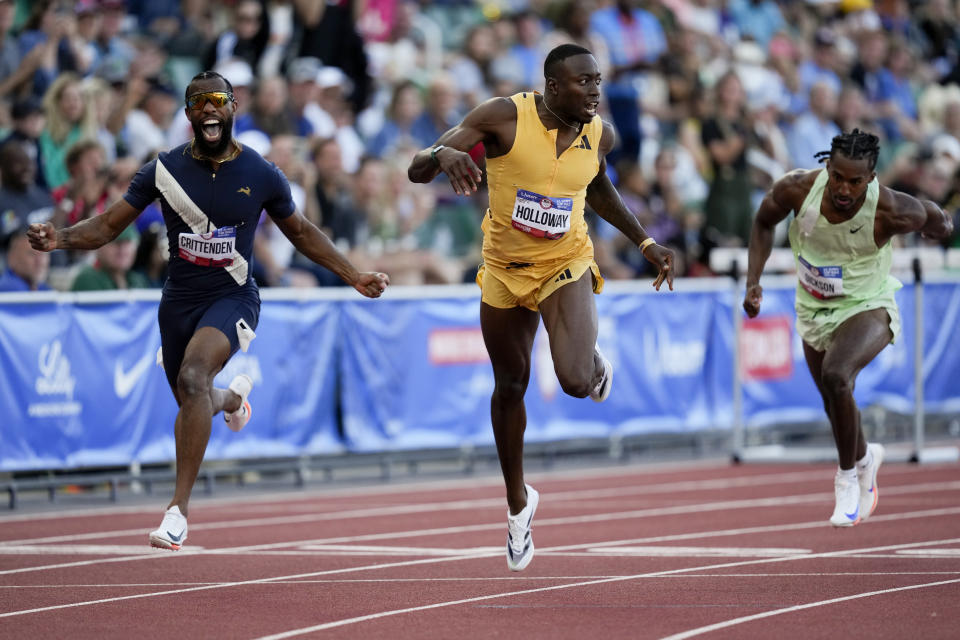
212,150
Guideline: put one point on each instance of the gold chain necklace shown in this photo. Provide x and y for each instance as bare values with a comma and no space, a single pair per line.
233,154
547,107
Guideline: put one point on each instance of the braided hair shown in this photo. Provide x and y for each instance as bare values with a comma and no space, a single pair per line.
856,145
206,75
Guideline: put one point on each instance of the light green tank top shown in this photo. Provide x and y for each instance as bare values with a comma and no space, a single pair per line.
839,265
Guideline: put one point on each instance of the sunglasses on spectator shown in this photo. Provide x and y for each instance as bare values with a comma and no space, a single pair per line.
217,98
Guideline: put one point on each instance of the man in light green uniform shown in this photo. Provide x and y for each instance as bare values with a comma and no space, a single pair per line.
846,312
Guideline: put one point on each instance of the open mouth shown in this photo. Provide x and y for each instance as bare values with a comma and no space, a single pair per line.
212,129
592,107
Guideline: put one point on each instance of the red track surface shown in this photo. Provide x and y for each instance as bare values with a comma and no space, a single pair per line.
678,551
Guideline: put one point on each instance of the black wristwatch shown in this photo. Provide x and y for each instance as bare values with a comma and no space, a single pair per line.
433,153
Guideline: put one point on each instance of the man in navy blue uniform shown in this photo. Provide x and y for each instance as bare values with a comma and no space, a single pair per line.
211,191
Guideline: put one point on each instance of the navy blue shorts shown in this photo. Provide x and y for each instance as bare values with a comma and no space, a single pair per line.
181,317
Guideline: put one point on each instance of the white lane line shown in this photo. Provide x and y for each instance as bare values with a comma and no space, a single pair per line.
102,585
360,549
590,495
593,554
383,614
449,531
699,552
479,503
409,563
87,549
398,486
771,528
86,563
510,578
800,607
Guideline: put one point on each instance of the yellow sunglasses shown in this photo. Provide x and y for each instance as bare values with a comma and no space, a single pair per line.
218,98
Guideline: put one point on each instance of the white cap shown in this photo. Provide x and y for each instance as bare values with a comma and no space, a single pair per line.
236,71
333,77
946,145
256,140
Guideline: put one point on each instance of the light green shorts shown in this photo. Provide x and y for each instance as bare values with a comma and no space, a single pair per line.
816,325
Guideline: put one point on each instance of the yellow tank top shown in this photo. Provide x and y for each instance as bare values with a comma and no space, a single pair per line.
536,199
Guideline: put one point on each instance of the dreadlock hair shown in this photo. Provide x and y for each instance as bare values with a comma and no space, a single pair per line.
206,75
855,145
560,53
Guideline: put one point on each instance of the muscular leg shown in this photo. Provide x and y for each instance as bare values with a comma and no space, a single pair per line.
509,334
570,317
199,401
855,344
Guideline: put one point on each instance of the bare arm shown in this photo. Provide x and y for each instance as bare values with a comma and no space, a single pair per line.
606,201
482,124
91,233
899,213
777,204
938,224
315,244
603,197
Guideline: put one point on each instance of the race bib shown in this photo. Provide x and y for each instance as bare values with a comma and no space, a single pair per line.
541,216
820,282
214,249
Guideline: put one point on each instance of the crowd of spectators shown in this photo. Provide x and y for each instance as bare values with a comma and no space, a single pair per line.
712,100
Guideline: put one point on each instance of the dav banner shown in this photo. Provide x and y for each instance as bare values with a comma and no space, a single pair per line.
941,357
778,387
415,373
81,386
662,359
292,363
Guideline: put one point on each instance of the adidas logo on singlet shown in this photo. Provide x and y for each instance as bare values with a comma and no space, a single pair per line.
584,143
564,275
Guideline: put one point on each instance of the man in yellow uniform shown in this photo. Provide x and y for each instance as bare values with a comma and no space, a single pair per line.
846,311
545,157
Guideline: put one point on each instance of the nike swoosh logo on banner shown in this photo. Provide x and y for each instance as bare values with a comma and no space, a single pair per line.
196,219
125,381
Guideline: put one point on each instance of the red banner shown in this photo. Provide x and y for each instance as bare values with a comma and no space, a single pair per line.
766,348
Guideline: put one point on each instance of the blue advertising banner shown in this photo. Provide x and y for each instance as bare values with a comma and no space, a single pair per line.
777,386
293,365
415,374
660,353
81,385
941,357
786,392
83,389
336,373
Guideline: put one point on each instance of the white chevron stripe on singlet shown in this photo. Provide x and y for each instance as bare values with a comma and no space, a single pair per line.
196,219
